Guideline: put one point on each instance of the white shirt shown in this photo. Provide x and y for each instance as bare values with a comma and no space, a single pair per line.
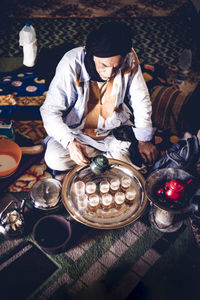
65,107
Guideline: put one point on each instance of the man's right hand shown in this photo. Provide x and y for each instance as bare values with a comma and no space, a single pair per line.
78,153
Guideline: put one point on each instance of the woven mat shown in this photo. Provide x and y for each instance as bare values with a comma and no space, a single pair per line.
99,8
116,264
99,264
156,40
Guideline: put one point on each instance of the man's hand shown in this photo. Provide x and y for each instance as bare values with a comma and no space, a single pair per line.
148,152
78,153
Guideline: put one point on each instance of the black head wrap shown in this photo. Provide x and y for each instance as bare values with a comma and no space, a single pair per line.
109,40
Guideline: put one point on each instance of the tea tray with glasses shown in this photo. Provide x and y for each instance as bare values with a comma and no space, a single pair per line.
109,200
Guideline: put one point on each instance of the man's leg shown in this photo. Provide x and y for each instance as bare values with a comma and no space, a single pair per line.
57,158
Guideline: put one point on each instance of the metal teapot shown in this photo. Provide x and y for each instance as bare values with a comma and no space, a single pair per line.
99,164
12,221
174,189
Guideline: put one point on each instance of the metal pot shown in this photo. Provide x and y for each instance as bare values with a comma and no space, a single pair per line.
46,194
52,233
175,192
99,164
175,189
170,192
12,220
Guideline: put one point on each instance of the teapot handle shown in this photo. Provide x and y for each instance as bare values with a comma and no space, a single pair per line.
21,208
166,187
190,181
1,214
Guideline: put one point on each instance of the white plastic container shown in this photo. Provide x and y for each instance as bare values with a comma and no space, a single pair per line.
28,40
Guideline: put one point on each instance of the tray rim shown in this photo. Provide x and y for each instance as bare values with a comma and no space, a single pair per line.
96,225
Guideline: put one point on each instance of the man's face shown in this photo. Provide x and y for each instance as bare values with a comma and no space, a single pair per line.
107,67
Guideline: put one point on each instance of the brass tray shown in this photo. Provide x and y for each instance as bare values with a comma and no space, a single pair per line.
114,217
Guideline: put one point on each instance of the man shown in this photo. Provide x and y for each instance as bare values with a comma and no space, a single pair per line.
85,102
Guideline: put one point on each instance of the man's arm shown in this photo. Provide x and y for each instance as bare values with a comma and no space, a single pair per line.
148,152
142,109
59,98
78,152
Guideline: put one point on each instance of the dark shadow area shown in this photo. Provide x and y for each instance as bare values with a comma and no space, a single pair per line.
48,60
190,112
26,268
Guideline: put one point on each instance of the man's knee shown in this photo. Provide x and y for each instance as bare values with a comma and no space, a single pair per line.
57,163
57,159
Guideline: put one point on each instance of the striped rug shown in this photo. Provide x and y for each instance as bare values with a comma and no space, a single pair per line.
127,263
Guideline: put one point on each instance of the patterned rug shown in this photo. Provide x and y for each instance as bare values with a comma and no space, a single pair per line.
97,8
22,94
134,262
156,40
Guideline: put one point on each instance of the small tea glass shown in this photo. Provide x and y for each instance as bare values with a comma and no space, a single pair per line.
114,184
79,188
82,202
104,186
106,201
125,182
130,195
90,187
93,201
119,199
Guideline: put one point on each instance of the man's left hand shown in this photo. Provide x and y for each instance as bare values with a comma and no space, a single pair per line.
148,152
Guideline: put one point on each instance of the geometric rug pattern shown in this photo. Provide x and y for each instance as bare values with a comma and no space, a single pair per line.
99,8
33,129
156,40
